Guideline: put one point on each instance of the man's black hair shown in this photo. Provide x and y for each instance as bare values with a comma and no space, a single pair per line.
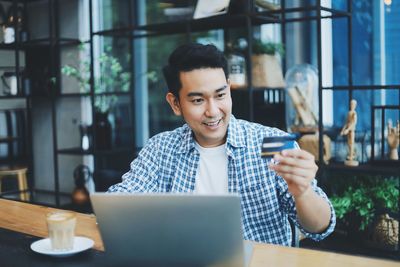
189,57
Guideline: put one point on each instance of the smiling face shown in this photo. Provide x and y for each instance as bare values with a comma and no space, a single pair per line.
205,103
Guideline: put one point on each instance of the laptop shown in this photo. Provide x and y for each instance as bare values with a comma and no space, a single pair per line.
170,229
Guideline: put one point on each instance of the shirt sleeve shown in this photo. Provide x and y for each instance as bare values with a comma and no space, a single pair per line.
143,173
288,205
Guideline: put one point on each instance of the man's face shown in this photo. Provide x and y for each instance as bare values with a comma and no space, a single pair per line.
205,103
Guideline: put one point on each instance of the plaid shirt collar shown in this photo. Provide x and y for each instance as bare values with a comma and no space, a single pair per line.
235,139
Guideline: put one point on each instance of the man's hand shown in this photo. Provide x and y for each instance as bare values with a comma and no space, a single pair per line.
298,168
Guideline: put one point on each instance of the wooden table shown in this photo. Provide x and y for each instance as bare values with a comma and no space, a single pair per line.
30,219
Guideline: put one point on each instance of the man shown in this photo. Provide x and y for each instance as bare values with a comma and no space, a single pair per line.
215,153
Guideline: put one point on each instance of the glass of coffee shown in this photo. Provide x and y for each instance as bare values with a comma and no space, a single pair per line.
61,227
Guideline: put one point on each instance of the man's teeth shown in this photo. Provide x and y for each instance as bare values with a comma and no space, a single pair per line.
212,123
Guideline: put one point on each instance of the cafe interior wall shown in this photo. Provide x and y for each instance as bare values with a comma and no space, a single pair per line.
68,110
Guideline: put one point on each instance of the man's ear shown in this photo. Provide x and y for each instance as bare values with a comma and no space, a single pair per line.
173,101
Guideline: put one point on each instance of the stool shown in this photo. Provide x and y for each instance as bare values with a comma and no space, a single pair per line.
20,174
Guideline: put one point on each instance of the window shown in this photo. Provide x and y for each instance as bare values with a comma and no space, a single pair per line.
376,59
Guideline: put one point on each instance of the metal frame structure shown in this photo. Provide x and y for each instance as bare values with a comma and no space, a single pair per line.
247,19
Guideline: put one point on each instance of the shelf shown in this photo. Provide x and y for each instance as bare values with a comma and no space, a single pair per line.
219,22
52,41
113,93
19,1
78,151
361,87
262,96
15,161
290,10
74,95
204,24
13,96
373,168
246,89
98,94
7,139
11,46
41,42
74,151
287,15
65,95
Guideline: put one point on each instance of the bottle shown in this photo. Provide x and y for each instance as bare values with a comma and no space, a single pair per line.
21,24
85,139
9,80
9,31
103,131
82,175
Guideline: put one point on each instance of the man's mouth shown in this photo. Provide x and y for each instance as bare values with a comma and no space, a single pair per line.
212,123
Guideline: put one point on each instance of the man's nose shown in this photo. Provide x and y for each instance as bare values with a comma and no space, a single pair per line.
212,109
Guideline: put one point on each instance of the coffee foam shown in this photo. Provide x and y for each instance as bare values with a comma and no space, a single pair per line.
59,216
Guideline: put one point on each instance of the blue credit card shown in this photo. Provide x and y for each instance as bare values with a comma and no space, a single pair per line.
275,144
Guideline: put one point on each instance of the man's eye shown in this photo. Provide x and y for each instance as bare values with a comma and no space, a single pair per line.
197,101
221,95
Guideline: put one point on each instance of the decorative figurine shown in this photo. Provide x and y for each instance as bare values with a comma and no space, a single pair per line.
349,129
393,140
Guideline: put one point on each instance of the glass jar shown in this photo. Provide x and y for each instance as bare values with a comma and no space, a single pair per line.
237,70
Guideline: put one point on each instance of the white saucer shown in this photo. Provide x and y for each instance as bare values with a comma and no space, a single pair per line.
43,246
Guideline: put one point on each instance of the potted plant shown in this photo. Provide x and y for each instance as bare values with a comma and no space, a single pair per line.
370,209
266,68
111,79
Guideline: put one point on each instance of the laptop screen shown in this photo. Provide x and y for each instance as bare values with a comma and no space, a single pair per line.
170,229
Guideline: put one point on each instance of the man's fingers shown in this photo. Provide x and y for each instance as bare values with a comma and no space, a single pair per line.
290,161
286,170
296,162
297,153
293,179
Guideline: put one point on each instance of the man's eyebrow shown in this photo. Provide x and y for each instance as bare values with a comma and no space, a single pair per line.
221,89
201,94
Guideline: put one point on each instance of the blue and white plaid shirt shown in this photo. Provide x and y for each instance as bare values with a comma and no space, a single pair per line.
169,161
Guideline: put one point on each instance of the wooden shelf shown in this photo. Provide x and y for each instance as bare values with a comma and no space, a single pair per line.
371,167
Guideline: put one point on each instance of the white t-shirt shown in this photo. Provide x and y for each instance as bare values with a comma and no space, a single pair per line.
212,173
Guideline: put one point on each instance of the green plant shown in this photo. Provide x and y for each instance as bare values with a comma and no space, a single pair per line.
111,78
268,48
366,200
